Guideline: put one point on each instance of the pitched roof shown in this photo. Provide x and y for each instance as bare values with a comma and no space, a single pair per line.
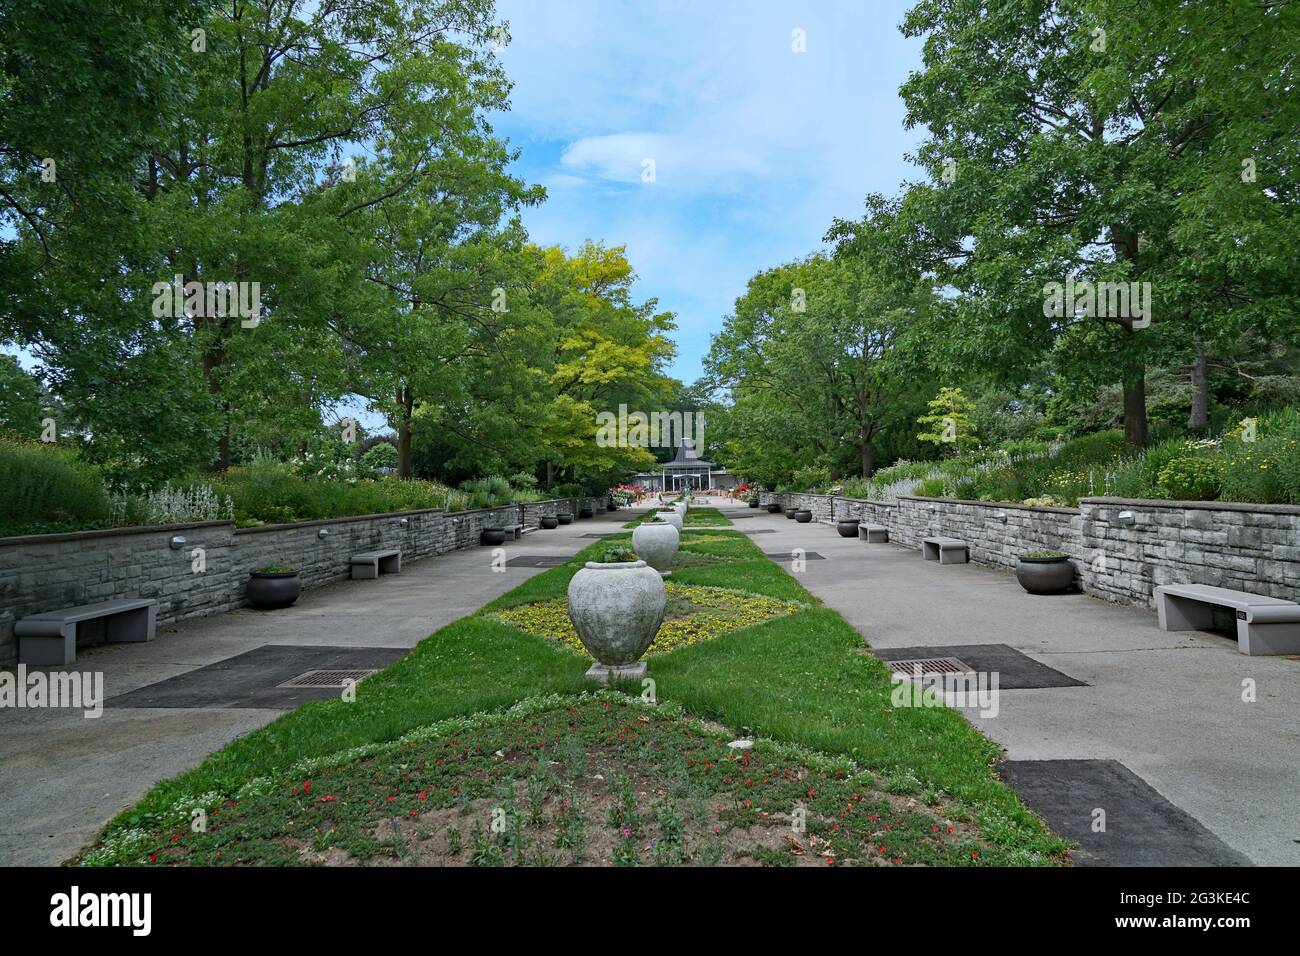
686,457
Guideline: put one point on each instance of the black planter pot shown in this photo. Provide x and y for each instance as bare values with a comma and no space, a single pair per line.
585,512
268,590
848,528
564,517
493,536
754,503
772,507
550,521
791,512
1045,575
803,516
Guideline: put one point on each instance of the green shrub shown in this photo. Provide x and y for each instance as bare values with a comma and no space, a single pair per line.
1195,478
382,455
930,488
47,488
1266,470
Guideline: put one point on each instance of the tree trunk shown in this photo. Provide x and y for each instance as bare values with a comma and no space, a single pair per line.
406,402
1135,407
868,450
550,474
1200,415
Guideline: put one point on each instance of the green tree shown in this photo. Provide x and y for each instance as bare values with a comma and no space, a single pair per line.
947,423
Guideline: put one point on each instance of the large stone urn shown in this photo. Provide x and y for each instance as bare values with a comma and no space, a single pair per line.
617,608
1045,573
673,518
656,543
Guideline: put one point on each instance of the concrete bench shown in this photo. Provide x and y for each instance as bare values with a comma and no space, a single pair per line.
945,550
513,531
1265,625
371,564
873,533
51,636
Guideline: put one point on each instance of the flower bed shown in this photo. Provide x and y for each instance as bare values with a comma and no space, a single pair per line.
694,614
580,781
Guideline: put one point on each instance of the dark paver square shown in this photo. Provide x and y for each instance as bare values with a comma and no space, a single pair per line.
250,679
1142,827
1016,671
538,561
788,555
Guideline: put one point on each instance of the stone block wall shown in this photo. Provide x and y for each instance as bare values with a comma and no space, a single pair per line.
45,572
1245,547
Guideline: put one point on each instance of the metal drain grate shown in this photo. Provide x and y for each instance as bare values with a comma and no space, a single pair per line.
931,665
327,678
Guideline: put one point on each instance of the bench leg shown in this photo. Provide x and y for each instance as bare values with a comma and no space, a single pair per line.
931,552
1181,614
365,572
131,626
953,556
1260,640
58,648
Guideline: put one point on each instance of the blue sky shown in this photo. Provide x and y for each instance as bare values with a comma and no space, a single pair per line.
757,148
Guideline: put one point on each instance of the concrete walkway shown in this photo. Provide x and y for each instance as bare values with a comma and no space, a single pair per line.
63,776
1168,706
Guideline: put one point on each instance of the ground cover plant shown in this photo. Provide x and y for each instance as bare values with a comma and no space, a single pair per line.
695,517
801,679
585,780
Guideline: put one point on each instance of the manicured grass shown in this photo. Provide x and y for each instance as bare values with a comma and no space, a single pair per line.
801,679
697,517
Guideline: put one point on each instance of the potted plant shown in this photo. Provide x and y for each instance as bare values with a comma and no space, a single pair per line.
773,507
585,511
791,511
1045,572
673,518
803,516
549,521
848,527
273,586
493,536
564,517
616,608
656,542
752,499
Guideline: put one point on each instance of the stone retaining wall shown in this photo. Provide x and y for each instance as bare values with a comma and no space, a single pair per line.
1246,547
209,572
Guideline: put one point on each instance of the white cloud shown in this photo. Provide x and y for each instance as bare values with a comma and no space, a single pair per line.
678,160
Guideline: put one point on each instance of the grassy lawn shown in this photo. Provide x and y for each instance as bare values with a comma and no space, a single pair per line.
799,679
695,517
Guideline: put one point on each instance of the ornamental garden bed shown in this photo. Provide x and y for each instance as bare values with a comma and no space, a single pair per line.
695,517
797,680
589,780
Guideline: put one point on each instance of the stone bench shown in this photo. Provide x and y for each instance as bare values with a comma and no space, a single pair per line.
945,550
873,533
513,531
1265,625
371,564
51,636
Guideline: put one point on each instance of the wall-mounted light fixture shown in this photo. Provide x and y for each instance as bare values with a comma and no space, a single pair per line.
177,542
1126,518
999,516
323,533
402,522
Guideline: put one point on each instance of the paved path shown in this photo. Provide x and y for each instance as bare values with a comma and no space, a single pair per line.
63,776
1168,706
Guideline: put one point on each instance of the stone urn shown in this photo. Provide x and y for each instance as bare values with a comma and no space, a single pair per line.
772,507
617,608
847,527
268,590
493,536
564,517
656,543
791,512
753,502
803,516
673,518
550,521
585,511
1046,573
681,508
